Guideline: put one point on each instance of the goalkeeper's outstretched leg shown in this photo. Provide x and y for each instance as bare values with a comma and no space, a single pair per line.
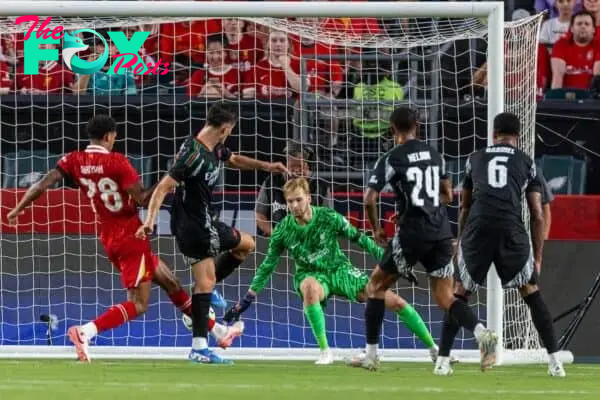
409,317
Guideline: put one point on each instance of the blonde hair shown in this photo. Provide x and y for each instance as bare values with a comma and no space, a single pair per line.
294,184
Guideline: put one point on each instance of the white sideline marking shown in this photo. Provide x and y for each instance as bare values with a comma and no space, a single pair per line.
38,385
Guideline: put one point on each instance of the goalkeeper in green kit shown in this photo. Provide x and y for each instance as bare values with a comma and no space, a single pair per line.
310,234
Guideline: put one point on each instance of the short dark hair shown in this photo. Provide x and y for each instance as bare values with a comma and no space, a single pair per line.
294,149
100,125
507,123
404,119
221,113
581,14
217,38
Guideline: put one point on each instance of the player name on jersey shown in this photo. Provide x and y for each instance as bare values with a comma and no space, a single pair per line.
501,149
91,169
419,156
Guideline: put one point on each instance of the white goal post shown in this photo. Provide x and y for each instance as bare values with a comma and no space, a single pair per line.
490,12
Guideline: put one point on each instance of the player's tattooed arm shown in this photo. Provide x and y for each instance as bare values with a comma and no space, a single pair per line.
165,186
33,193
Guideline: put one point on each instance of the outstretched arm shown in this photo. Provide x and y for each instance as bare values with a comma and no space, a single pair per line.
246,163
33,193
262,276
140,194
165,186
349,231
267,267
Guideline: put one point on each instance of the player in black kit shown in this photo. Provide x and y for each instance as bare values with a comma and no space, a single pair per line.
491,230
200,237
416,173
271,206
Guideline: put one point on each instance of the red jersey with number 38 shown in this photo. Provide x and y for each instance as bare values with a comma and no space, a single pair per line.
105,177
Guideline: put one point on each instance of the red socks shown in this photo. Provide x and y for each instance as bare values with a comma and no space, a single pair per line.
183,301
115,316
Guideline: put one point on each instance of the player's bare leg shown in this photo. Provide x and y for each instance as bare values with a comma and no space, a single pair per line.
409,317
450,329
204,283
165,278
542,320
229,261
379,283
117,315
443,292
312,295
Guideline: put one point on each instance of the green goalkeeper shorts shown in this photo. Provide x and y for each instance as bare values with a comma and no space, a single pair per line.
347,282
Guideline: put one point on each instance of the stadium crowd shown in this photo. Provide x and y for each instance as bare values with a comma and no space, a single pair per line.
233,58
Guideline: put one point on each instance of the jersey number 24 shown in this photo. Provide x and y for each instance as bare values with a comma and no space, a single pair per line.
426,184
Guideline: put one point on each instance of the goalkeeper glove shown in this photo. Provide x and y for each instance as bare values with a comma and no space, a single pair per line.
235,311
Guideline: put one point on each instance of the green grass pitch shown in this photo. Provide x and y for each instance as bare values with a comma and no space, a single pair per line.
248,380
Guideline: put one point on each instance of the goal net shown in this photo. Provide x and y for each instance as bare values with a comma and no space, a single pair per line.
326,84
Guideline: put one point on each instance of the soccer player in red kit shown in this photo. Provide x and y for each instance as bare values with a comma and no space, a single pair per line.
114,189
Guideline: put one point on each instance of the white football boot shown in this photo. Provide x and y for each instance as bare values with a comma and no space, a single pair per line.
325,357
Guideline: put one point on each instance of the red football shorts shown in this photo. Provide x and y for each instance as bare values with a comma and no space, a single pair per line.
134,259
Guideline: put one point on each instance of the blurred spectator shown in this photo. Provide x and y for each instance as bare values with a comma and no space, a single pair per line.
515,76
144,55
261,33
5,81
554,28
374,120
593,6
277,74
576,58
184,41
352,26
101,83
544,73
53,77
551,6
8,52
219,79
244,50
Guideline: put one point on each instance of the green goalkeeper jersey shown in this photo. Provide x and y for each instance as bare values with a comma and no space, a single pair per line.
314,247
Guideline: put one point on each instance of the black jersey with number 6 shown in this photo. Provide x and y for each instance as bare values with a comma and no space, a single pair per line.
414,170
498,176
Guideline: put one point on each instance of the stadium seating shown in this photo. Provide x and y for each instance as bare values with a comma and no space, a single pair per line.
565,174
23,168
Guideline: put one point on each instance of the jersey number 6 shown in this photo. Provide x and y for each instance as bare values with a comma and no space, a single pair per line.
497,174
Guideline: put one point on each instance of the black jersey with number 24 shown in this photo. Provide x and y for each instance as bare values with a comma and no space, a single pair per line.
414,170
498,176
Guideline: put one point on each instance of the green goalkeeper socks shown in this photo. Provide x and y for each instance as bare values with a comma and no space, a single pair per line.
413,321
316,319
